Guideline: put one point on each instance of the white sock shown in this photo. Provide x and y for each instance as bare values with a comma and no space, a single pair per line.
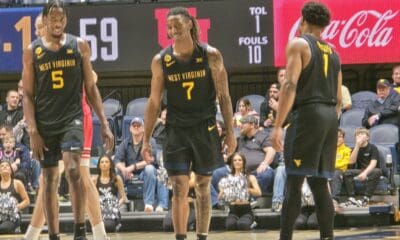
32,233
99,232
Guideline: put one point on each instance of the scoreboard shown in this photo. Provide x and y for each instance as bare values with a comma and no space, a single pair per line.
125,37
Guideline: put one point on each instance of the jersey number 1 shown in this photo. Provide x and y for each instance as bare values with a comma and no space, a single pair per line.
189,87
57,79
326,63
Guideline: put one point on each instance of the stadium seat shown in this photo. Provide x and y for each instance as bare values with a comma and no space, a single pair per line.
384,134
136,107
113,109
349,138
126,122
353,117
362,99
97,141
255,101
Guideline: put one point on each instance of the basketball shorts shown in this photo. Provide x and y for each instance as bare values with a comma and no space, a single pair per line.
193,148
310,142
70,139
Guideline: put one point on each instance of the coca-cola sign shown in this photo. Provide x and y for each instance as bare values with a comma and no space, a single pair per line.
361,31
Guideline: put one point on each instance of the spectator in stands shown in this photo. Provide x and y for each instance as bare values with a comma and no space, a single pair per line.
130,163
342,161
269,107
281,75
346,99
221,172
235,190
191,221
245,109
159,134
20,130
308,217
20,92
111,191
366,156
12,114
256,147
11,190
396,78
384,109
279,183
29,167
9,154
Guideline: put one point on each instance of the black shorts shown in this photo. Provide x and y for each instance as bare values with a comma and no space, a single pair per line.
69,140
193,148
310,142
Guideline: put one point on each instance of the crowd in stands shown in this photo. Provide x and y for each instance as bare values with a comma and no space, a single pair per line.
255,170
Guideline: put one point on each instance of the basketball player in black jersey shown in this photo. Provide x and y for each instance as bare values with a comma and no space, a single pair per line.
312,91
55,67
193,74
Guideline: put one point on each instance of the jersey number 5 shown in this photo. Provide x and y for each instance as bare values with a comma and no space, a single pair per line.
57,79
189,87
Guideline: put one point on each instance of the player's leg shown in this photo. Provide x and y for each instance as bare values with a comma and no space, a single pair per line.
291,205
323,206
203,205
180,205
77,191
50,200
38,219
93,209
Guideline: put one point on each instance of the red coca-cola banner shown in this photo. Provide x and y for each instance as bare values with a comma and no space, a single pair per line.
361,31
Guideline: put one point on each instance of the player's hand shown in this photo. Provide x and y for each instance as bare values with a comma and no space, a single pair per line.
146,153
230,143
108,138
276,139
37,145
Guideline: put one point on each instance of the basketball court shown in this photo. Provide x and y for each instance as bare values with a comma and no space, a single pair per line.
372,233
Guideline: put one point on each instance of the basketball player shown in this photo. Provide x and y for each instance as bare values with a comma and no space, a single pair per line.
193,74
93,209
312,89
52,78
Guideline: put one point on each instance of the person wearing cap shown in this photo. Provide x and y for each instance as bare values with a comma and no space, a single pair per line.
130,164
256,147
384,109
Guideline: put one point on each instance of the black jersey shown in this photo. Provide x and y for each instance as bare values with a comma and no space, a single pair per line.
190,87
58,76
318,81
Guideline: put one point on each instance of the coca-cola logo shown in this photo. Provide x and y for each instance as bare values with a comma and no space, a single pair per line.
161,17
369,28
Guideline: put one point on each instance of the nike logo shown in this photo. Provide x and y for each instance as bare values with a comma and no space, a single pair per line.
168,64
75,148
210,128
40,55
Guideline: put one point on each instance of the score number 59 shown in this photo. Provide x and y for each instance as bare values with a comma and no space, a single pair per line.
107,53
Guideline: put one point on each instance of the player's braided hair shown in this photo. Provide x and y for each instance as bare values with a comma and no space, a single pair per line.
54,4
316,13
194,32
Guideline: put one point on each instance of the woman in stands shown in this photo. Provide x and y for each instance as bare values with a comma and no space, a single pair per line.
13,198
245,109
236,190
111,190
